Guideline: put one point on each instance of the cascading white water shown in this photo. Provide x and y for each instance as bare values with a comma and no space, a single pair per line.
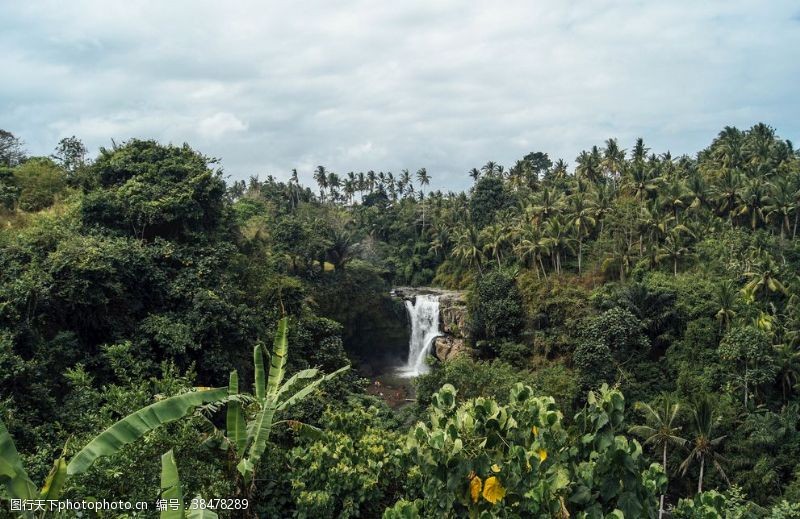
424,316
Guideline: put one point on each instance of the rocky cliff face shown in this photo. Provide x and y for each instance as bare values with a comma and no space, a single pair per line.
452,320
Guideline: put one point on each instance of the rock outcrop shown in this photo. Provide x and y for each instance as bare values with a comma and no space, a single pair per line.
453,314
448,347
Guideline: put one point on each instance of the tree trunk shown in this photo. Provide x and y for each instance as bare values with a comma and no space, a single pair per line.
580,252
745,387
661,507
700,480
544,272
786,227
675,267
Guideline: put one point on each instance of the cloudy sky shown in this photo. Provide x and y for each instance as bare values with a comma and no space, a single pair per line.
267,86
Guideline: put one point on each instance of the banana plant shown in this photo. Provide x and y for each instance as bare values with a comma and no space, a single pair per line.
271,396
18,484
172,491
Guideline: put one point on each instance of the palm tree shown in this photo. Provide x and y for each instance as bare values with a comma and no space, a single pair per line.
613,159
362,184
621,257
725,299
604,202
674,249
494,238
530,247
321,177
697,192
704,445
556,239
491,168
468,247
581,213
474,173
660,430
752,200
787,358
333,186
727,148
673,196
641,182
727,192
781,204
424,179
586,167
653,224
405,181
546,203
559,169
763,278
639,151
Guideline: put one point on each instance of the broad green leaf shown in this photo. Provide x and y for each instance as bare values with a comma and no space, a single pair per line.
258,365
277,362
304,392
55,480
137,424
263,421
263,427
171,486
300,375
235,424
12,473
306,431
245,468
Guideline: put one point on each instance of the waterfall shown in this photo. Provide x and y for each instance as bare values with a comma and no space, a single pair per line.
424,316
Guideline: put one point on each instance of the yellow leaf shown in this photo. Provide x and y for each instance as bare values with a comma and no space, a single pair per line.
535,430
493,491
495,468
542,454
475,488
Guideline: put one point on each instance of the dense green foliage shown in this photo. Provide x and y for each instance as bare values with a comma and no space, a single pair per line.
130,278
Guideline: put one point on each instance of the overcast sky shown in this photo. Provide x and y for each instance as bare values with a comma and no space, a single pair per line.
268,86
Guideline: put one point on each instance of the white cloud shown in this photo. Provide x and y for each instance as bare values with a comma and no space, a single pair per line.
357,85
220,124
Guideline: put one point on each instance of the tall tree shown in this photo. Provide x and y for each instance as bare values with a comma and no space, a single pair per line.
704,445
660,431
424,179
12,152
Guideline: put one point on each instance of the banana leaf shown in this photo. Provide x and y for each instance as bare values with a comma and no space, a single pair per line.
277,362
263,427
137,424
171,486
55,480
305,430
300,375
12,473
236,429
305,391
258,365
263,421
